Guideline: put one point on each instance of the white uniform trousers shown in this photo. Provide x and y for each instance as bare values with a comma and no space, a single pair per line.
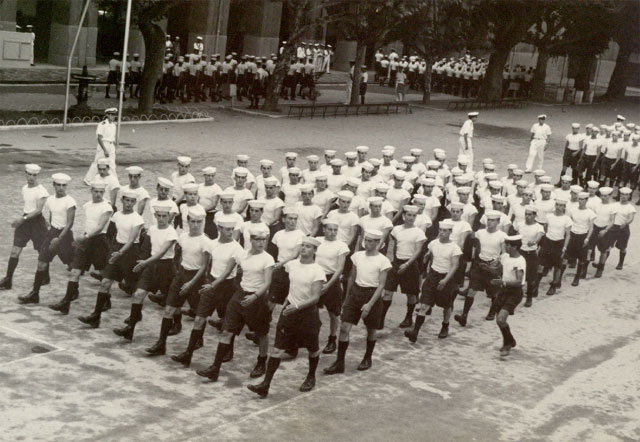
468,152
536,149
93,169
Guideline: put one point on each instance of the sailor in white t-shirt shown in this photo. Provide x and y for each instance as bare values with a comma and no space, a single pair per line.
309,214
554,244
288,243
572,150
134,186
363,299
347,221
208,197
620,232
375,220
540,134
30,226
580,235
266,167
110,179
531,232
241,195
256,211
181,177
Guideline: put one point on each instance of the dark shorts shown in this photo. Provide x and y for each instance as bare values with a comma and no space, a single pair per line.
570,158
619,236
356,298
157,277
458,276
550,252
508,299
210,228
123,267
481,275
332,299
432,296
576,248
531,258
218,300
256,316
279,288
64,250
34,230
299,329
175,299
603,243
409,280
93,251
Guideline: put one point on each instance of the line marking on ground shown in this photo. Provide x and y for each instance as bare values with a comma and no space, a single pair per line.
4,364
32,338
422,106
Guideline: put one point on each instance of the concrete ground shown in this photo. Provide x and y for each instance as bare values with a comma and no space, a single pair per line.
572,377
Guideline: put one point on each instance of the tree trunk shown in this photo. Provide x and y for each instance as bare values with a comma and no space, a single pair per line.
491,87
620,75
585,63
539,76
361,47
426,93
153,36
275,84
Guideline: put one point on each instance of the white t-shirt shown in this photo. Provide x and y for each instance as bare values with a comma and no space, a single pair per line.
207,194
253,267
591,146
378,223
107,130
158,239
301,278
443,255
270,207
321,199
581,220
262,193
352,171
287,242
245,229
58,208
309,176
125,224
423,221
93,212
222,254
545,207
184,213
366,189
396,197
408,240
239,196
368,268
467,129
574,141
345,222
459,228
490,244
291,193
469,212
541,132
529,233
328,254
556,226
306,216
633,153
173,207
510,267
31,196
624,214
193,250
229,217
613,149
141,195
603,214
178,182
335,182
112,183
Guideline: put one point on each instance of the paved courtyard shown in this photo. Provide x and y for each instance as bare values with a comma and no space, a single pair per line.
572,377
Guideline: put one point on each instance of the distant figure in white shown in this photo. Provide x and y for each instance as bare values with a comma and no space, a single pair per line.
106,148
540,134
466,137
33,43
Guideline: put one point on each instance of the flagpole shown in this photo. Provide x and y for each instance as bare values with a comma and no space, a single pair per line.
124,70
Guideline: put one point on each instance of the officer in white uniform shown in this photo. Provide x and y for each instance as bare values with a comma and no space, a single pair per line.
106,148
466,135
540,134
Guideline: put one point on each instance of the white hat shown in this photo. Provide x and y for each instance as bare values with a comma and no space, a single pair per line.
488,161
330,222
513,238
464,190
259,231
103,162
463,179
242,157
134,170
310,241
240,171
410,209
416,151
531,208
625,191
518,172
313,158
161,209
336,162
400,174
463,159
545,179
163,182
512,166
372,234
256,204
227,195
352,181
561,200
100,185
446,224
583,195
490,166
575,125
363,149
61,178
457,205
290,210
130,194
271,181
351,155
226,223
190,187
33,169
621,118
539,172
294,171
345,195
433,164
330,152
498,198
606,191
593,184
210,170
428,182
375,200
185,161
408,159
111,110
473,114
496,184
196,212
389,148
382,187
546,187
321,176
576,188
387,152
291,155
307,187
375,162
522,183
493,214
568,178
420,198
367,166
543,116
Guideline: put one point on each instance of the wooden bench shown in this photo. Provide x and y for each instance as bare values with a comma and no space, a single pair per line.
339,109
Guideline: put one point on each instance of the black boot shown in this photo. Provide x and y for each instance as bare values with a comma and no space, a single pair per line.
213,370
228,356
408,319
529,301
6,282
310,381
262,389
63,305
34,295
338,365
136,315
462,319
600,268
331,345
177,325
366,361
444,331
259,370
385,308
552,289
576,278
160,347
413,334
93,320
583,273
621,260
492,311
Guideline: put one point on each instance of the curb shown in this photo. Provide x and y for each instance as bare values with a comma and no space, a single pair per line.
123,123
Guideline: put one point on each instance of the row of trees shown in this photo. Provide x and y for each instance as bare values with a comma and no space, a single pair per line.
437,28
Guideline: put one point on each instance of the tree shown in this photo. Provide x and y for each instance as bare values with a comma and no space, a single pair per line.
508,22
432,29
626,31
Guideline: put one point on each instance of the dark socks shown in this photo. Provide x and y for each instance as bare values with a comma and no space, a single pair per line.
177,318
13,263
72,290
220,352
37,280
468,302
370,346
418,324
342,349
136,313
195,336
101,300
164,328
385,307
506,335
313,365
621,260
272,366
410,309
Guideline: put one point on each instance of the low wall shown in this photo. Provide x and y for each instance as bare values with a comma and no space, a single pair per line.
15,49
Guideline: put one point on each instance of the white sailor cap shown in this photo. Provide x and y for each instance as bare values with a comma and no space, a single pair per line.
390,148
190,187
457,205
134,170
372,234
98,185
33,169
184,160
513,238
329,152
367,166
400,174
256,204
495,184
625,191
61,178
161,209
590,126
291,155
498,198
240,171
209,170
307,187
321,176
420,198
408,159
446,224
631,125
463,179
463,190
375,200
294,171
620,118
242,157
111,110
363,149
336,162
375,162
491,176
103,162
345,195
163,182
561,200
308,240
473,114
227,196
530,208
196,212
313,158
290,210
353,181
566,178
130,194
493,214
271,181
407,208
546,187
387,152
463,159
522,183
518,172
330,222
542,116
490,166
428,182
416,151
583,195
486,161
351,155
527,191
575,125
576,188
433,164
593,184
226,223
538,172
545,179
606,191
382,187
259,231
439,151
595,129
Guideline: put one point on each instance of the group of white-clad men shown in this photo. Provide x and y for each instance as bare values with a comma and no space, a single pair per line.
318,236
